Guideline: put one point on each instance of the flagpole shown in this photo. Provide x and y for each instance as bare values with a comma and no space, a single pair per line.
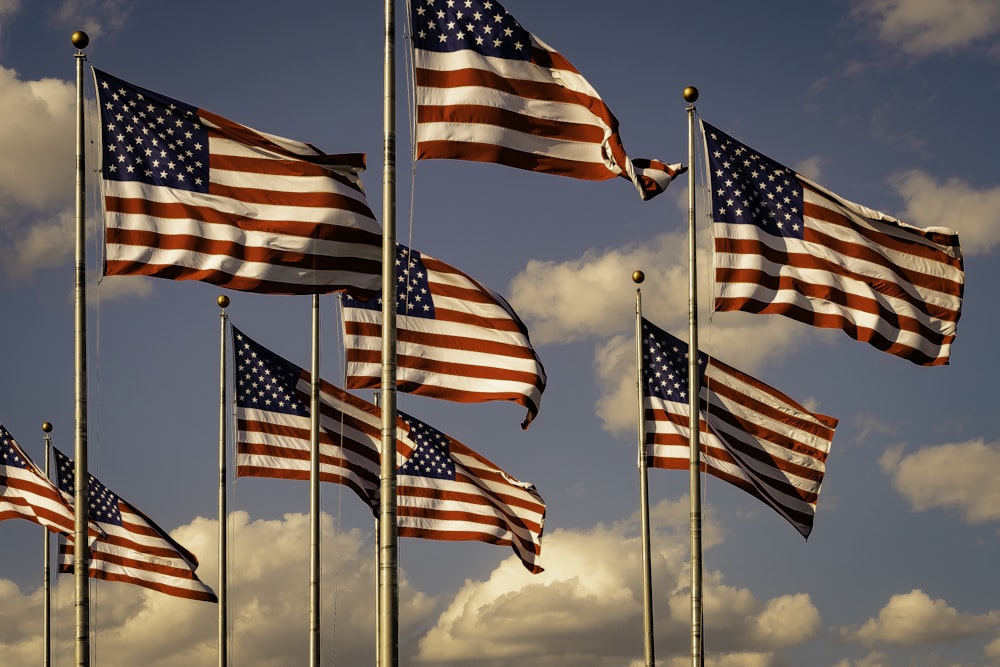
81,556
47,595
694,393
223,302
647,579
314,506
388,613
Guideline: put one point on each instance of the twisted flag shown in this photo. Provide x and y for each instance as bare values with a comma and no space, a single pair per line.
190,195
752,435
26,493
446,491
455,339
786,245
133,549
274,426
490,91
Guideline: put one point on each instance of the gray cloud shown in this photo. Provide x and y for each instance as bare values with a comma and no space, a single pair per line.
924,27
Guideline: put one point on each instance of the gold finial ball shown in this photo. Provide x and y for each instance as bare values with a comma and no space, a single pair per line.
47,427
80,39
690,94
638,276
223,301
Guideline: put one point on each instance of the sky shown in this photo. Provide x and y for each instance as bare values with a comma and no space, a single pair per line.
888,103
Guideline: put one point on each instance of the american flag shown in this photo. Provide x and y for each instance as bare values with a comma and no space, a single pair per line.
786,245
455,339
752,435
26,493
133,549
490,91
274,426
190,195
446,491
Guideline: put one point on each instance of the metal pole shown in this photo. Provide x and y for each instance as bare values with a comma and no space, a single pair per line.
647,577
314,506
223,302
47,594
388,627
694,394
81,550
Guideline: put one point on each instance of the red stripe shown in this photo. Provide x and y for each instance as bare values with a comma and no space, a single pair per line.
481,152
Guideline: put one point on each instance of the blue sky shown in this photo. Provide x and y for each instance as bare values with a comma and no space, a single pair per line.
888,103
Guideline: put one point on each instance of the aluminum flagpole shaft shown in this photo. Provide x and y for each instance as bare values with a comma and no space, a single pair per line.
388,606
223,302
81,555
694,394
314,506
47,595
647,577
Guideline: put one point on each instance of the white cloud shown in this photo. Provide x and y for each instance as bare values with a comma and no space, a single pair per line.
914,619
960,476
992,649
953,204
586,608
269,573
923,27
36,174
594,296
36,142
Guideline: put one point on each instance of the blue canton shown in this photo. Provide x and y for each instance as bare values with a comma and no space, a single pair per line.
102,500
413,290
665,365
431,457
264,380
481,26
8,454
151,138
750,188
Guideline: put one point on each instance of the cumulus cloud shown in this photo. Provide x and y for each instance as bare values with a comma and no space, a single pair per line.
594,296
36,164
584,610
914,619
269,572
924,27
992,649
954,204
960,476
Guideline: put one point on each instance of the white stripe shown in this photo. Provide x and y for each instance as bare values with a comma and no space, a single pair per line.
228,206
504,67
